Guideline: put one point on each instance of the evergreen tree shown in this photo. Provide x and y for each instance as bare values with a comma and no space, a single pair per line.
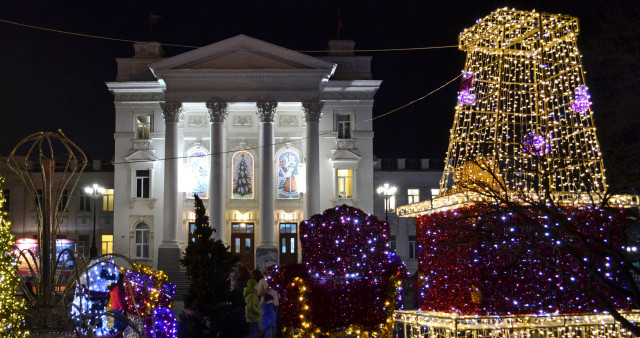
209,308
12,309
242,183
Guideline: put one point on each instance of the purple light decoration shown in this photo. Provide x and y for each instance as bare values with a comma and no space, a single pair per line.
465,96
582,102
536,144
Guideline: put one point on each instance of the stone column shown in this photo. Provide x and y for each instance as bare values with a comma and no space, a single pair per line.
312,113
217,113
169,251
267,249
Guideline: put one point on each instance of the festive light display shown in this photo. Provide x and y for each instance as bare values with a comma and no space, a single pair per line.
11,308
349,280
526,72
438,324
582,103
466,86
92,296
148,298
476,261
536,144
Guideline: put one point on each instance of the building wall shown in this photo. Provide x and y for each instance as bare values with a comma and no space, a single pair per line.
135,98
395,173
75,224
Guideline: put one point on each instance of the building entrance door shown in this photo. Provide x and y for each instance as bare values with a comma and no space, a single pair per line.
242,243
288,243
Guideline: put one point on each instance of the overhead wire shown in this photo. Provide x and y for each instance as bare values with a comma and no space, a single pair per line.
91,36
301,51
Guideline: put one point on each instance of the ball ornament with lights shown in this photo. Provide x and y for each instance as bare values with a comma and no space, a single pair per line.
349,280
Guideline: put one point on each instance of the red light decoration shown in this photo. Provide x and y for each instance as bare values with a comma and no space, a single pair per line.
474,261
349,279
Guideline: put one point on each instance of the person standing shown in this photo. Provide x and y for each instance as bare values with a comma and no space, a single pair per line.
116,293
253,309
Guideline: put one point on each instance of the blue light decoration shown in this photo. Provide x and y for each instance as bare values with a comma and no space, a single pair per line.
466,87
148,295
582,101
92,296
536,144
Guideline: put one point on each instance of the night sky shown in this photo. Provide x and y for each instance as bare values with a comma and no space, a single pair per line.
51,81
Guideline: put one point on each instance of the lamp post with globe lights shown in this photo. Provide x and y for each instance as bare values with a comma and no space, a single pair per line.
94,190
386,191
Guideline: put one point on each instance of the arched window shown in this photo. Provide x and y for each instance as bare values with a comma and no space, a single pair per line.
242,178
142,240
198,167
288,174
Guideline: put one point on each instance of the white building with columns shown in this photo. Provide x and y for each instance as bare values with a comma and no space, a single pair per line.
265,135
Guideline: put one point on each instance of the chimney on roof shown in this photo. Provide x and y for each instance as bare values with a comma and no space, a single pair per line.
148,50
341,47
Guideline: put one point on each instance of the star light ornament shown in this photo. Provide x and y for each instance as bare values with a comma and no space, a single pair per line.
582,102
536,144
466,86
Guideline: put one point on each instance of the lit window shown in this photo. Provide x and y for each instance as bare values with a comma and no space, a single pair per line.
143,127
343,125
142,241
6,205
413,196
107,244
142,183
85,201
413,247
107,200
345,183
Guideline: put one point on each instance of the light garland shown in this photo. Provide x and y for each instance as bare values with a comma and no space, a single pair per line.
530,121
525,326
12,309
476,261
148,298
349,282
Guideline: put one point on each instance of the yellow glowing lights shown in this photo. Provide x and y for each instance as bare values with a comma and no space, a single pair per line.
520,127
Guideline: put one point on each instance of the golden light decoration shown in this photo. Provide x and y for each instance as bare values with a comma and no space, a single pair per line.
523,76
549,325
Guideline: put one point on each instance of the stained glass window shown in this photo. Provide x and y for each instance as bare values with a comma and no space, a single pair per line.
288,175
198,166
242,179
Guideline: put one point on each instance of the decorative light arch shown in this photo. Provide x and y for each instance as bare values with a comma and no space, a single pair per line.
242,175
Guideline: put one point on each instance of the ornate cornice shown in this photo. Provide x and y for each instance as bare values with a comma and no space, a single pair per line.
267,110
138,96
217,111
348,95
312,111
172,111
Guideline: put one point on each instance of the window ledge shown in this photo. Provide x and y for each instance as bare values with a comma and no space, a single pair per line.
150,201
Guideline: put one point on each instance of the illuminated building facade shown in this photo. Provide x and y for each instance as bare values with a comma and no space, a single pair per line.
265,135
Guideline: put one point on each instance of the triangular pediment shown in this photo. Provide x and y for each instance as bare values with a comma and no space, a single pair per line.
141,156
345,155
241,52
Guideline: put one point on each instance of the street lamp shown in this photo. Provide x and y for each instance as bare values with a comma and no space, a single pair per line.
386,191
94,190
